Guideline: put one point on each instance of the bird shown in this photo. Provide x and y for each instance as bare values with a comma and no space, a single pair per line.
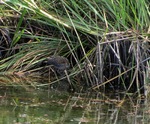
58,63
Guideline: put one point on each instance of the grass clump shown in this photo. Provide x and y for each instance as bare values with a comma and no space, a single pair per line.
106,42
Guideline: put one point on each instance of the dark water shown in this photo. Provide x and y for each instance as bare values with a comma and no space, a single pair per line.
53,107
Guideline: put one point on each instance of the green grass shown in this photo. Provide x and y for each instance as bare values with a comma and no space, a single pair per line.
91,34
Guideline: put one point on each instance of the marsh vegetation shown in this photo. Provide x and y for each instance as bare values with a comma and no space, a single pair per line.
106,43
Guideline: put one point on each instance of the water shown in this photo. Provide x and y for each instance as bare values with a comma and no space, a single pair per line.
18,106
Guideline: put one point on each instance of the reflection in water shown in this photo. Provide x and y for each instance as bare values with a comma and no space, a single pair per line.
53,107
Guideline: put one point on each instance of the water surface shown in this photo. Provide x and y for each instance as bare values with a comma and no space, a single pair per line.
18,106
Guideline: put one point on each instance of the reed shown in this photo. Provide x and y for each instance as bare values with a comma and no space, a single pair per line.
106,42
